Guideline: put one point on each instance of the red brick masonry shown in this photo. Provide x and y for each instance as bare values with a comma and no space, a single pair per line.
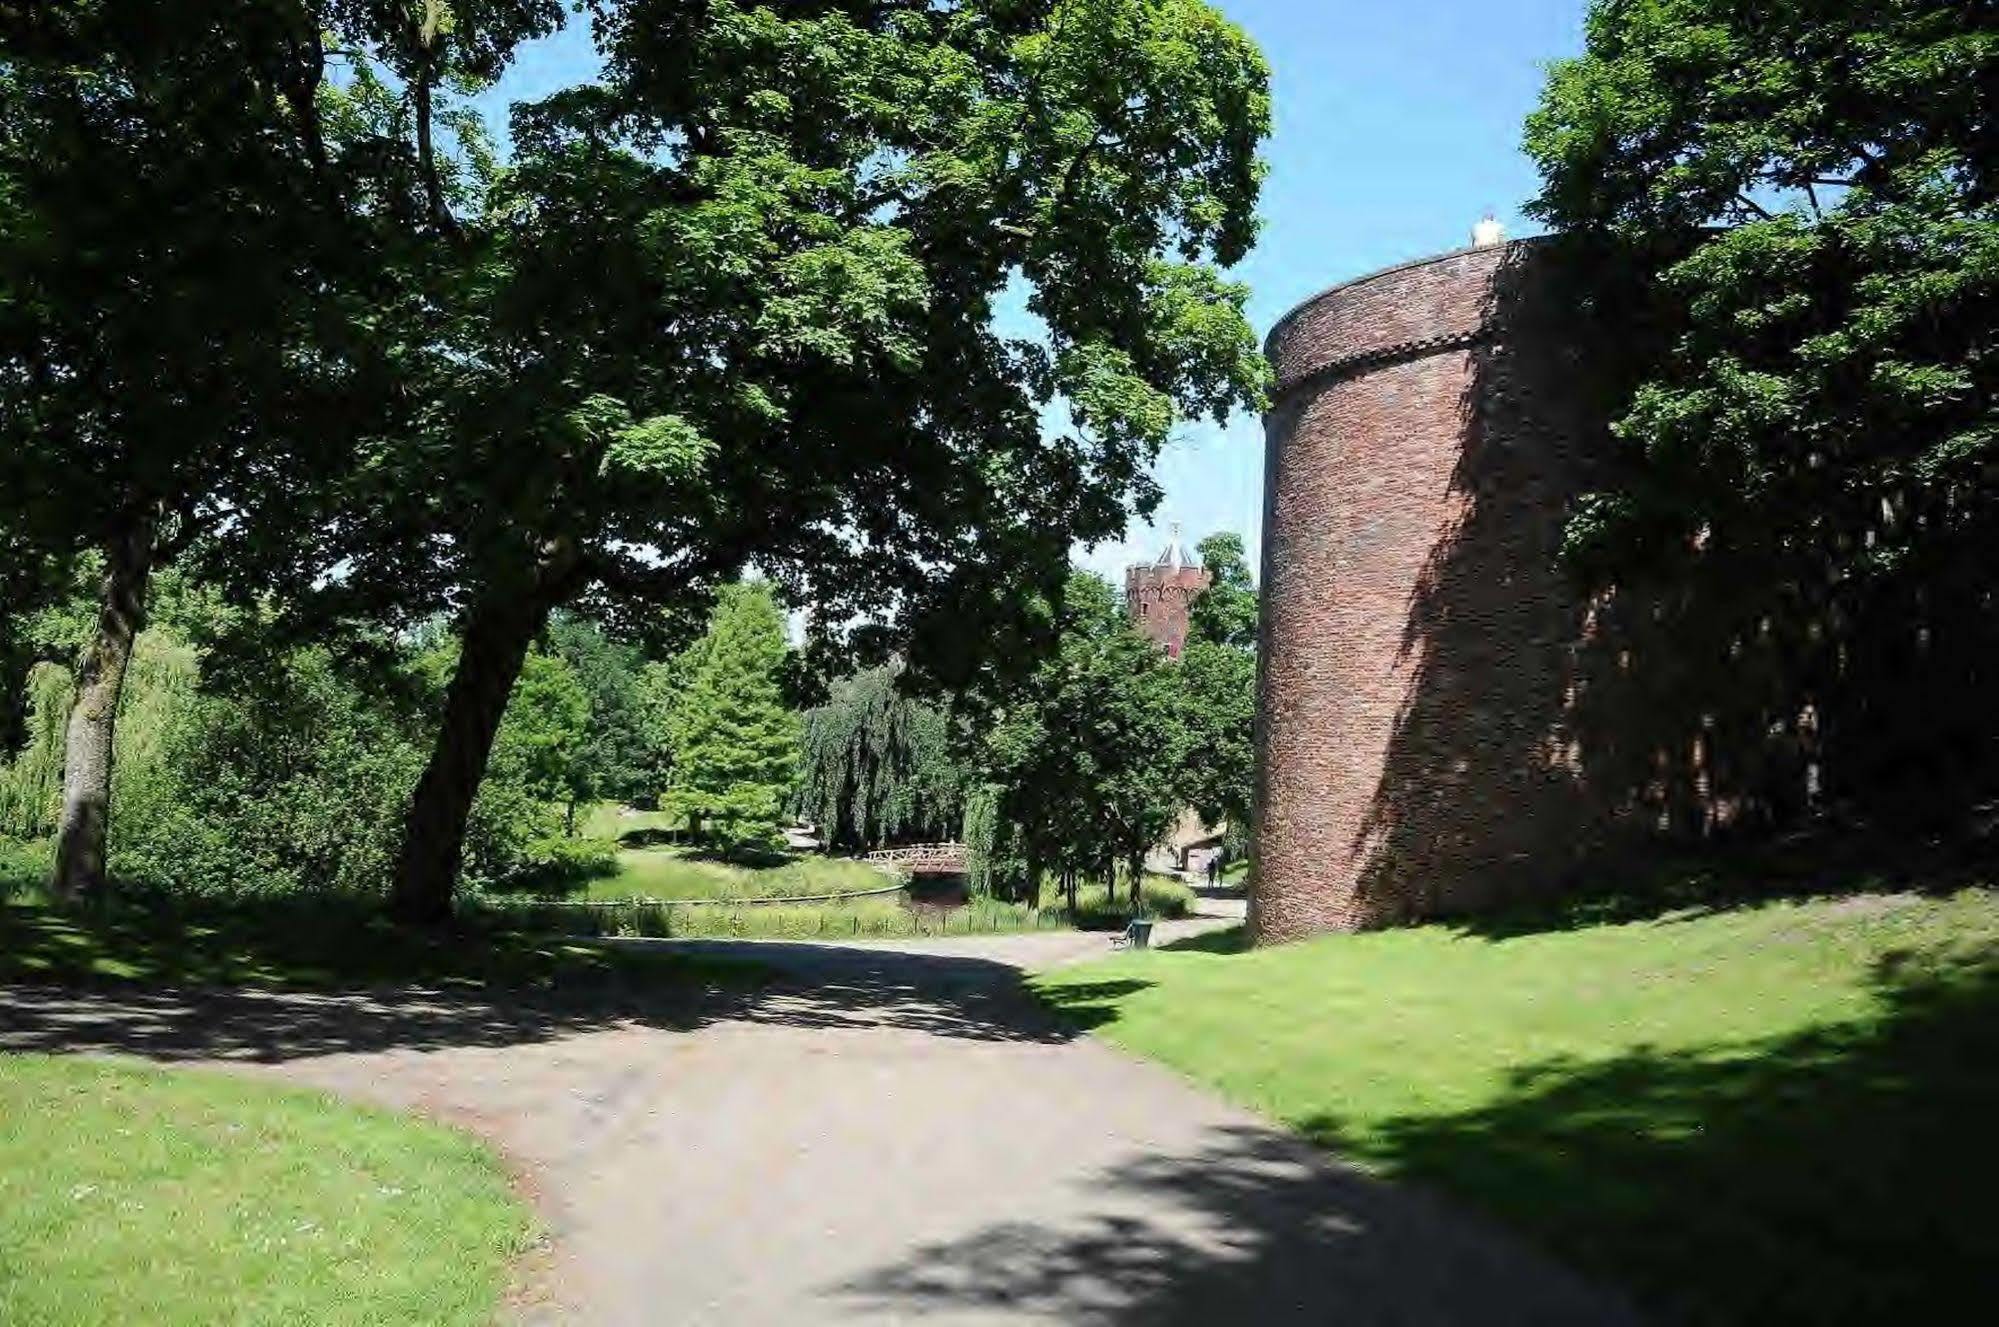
1428,431
1158,600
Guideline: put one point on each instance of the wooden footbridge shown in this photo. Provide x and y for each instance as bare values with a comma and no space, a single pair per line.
921,858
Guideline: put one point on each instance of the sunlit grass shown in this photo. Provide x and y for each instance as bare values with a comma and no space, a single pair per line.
614,820
1765,1113
680,873
306,943
135,1195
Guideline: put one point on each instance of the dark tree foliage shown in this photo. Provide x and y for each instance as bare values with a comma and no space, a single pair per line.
1225,613
734,304
615,759
1084,759
877,765
184,276
1807,513
31,576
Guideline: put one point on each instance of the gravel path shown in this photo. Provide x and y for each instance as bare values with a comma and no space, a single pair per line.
881,1135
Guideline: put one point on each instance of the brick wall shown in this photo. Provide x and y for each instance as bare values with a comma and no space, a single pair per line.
1158,600
1419,643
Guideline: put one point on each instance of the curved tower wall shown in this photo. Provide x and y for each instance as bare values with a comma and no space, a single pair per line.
1159,601
1430,427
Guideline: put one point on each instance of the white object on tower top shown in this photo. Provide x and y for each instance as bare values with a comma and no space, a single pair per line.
1176,555
1487,232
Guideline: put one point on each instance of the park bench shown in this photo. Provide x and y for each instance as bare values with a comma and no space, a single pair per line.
1137,934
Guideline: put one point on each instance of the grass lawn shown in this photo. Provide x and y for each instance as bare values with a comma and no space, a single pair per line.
676,892
137,1195
614,820
1772,1113
305,944
679,873
299,941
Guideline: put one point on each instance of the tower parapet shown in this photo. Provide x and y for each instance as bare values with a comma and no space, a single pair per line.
1159,594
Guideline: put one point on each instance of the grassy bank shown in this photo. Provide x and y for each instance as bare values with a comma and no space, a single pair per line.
678,874
644,911
862,918
310,944
136,1195
1761,1113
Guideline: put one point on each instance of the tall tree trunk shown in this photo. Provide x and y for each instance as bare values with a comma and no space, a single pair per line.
100,680
494,645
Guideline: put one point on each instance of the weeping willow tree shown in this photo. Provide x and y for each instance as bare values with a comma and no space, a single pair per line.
159,683
878,767
31,781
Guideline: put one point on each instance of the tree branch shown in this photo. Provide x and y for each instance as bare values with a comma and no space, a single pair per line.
426,43
188,527
1746,201
868,203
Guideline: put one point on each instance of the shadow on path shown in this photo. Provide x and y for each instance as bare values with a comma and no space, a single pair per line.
1251,1226
811,986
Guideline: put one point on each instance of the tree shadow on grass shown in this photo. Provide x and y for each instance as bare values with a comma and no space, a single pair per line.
1799,866
283,980
271,983
1245,1226
1229,940
1842,1175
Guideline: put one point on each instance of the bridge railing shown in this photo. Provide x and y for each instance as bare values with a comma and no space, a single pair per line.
942,856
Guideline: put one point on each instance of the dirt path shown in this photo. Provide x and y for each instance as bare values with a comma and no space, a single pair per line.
881,1135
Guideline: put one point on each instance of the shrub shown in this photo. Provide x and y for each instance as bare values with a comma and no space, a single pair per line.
296,785
24,866
557,864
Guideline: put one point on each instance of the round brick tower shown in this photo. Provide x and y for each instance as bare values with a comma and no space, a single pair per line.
1430,427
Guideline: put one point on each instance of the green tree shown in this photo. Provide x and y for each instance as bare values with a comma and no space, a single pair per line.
734,304
615,757
877,764
186,272
1810,460
735,741
1226,612
1218,688
1088,753
1218,691
548,726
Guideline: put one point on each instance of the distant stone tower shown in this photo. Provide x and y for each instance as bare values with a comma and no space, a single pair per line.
1157,594
1417,693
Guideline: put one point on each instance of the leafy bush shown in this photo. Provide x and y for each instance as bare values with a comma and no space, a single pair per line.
23,868
860,918
31,783
297,784
556,864
1099,907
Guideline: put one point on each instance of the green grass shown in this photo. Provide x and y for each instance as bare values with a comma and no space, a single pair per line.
1099,907
614,820
137,1195
672,892
679,873
24,868
858,919
1774,1113
307,944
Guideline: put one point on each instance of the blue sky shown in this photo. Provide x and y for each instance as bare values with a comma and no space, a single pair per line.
1397,126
